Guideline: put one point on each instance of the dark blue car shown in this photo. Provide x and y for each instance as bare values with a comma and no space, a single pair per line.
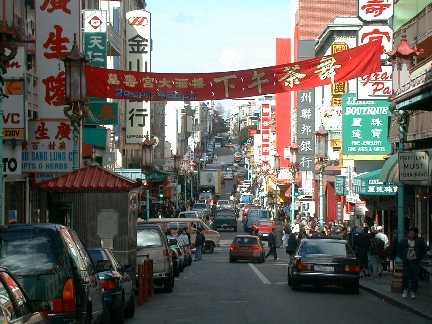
117,284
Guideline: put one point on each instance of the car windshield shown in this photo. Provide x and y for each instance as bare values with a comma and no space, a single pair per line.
223,202
225,214
320,247
28,252
148,238
246,240
258,213
188,215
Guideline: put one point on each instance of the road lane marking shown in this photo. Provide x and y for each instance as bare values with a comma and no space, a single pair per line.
259,274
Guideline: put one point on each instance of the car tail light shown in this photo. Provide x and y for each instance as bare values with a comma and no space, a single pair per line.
304,266
352,268
256,248
66,304
108,284
234,248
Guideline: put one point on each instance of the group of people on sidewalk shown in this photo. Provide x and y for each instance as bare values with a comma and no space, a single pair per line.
183,238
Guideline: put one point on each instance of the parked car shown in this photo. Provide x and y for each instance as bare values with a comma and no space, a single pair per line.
254,215
15,306
55,270
117,283
224,204
177,254
152,243
225,219
212,237
263,227
246,247
324,262
203,208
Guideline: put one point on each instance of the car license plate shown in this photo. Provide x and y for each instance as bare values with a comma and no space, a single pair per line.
323,268
265,234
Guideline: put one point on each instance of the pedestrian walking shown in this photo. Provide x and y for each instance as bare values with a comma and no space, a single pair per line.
199,244
411,250
272,244
376,250
362,249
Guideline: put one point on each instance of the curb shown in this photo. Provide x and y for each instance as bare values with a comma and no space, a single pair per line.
395,302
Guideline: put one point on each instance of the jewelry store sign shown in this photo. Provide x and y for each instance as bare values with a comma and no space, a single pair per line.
414,166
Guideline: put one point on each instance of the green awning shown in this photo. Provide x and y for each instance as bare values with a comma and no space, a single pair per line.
370,184
152,176
390,170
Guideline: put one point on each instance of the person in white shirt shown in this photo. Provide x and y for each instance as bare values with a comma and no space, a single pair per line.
382,236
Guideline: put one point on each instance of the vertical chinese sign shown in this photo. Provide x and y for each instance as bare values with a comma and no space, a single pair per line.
365,126
138,57
376,14
306,130
338,89
95,37
265,130
49,148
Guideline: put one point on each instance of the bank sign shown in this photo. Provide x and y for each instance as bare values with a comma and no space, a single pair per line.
365,126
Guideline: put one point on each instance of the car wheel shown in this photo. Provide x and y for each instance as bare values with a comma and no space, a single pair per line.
117,315
169,283
129,311
261,260
176,271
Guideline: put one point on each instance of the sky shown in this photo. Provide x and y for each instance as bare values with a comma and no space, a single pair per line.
198,36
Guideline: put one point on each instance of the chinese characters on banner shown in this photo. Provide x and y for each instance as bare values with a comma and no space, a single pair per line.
57,22
50,147
138,56
374,187
378,12
365,126
306,130
338,88
265,130
319,71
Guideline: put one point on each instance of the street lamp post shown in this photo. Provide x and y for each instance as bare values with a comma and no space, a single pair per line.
321,138
147,159
76,96
293,149
277,169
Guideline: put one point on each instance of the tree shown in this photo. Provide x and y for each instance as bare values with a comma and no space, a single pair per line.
244,134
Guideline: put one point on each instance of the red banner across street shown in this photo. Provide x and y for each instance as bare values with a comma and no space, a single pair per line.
319,71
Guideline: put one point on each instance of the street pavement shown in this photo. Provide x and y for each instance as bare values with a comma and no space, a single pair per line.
215,291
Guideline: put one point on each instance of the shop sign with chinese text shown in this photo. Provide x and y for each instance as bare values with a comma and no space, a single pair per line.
319,71
102,113
375,10
57,22
137,122
16,67
365,126
340,185
266,118
95,48
13,110
384,33
414,166
306,130
50,147
12,159
138,38
374,187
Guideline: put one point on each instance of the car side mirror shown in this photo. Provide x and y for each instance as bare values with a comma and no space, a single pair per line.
103,265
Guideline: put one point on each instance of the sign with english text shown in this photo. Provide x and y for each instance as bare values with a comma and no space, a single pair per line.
306,130
137,122
365,126
414,166
378,85
375,10
57,22
50,147
13,111
12,159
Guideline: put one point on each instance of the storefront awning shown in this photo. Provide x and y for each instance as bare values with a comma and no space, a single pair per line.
370,184
390,170
91,178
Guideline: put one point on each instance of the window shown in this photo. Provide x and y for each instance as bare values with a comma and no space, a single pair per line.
28,251
246,241
324,248
148,238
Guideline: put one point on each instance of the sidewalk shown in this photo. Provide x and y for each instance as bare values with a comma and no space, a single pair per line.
381,287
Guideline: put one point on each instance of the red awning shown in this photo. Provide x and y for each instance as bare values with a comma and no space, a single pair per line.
91,178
